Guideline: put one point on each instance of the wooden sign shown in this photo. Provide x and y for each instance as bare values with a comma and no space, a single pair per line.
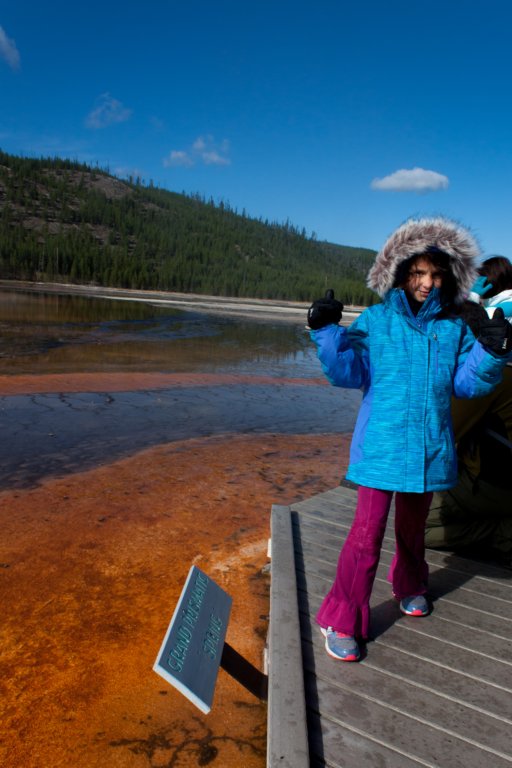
192,648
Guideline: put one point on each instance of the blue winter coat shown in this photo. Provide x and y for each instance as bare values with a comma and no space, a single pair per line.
408,368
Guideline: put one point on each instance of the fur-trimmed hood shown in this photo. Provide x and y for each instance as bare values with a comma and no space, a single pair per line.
414,238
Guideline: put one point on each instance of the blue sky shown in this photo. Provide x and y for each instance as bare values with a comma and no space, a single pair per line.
343,117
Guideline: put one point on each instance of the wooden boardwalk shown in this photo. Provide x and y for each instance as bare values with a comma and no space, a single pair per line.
433,691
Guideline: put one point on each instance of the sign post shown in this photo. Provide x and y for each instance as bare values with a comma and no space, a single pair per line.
194,645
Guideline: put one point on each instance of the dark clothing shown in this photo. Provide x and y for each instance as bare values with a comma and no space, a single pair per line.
478,510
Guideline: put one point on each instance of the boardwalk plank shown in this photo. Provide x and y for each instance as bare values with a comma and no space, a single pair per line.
424,688
329,520
395,699
417,740
461,607
339,747
433,692
443,578
333,532
387,620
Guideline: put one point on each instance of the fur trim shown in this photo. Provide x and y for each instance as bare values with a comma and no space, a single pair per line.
414,238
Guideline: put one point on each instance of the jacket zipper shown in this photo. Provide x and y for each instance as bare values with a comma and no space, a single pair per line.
421,327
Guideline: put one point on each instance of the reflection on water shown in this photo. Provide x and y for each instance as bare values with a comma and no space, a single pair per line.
48,333
61,432
55,434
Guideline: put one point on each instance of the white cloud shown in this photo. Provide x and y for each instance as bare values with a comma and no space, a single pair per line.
199,144
204,150
214,158
178,158
108,111
8,50
411,180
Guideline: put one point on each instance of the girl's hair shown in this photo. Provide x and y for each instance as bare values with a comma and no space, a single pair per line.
439,259
498,270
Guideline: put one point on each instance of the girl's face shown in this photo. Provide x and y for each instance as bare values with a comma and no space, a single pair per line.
423,276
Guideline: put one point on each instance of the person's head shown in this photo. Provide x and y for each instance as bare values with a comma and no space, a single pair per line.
419,274
422,276
446,243
498,271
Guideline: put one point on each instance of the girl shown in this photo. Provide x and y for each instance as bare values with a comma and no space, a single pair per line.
408,355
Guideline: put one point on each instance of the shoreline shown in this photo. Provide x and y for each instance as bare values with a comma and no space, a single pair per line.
223,305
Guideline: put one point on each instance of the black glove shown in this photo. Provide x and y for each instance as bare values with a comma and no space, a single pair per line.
496,334
324,311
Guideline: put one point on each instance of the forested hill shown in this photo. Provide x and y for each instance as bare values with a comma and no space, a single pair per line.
63,221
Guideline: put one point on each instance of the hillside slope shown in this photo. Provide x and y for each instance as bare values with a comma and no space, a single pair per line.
67,222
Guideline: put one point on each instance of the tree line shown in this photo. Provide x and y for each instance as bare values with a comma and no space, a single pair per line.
62,220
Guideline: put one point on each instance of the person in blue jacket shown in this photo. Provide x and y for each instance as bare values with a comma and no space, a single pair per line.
408,355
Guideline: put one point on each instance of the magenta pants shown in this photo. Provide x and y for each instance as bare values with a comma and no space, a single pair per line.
346,608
